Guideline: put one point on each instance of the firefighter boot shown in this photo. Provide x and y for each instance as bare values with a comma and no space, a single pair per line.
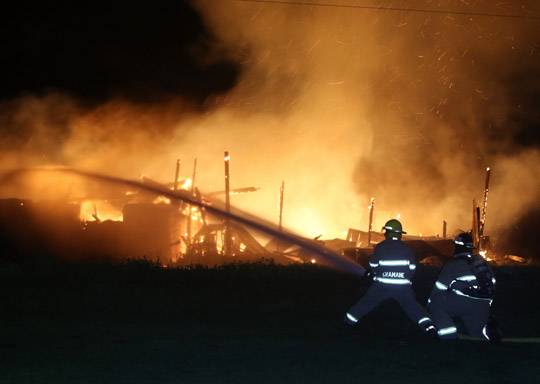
491,331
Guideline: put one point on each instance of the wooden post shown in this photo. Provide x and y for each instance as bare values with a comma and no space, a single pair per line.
280,213
444,229
281,192
193,177
476,224
176,204
189,218
484,204
371,208
227,206
176,174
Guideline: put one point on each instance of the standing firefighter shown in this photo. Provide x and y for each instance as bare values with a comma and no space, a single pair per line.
391,267
464,289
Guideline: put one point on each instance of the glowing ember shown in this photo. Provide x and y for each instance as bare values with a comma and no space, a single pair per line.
99,210
161,200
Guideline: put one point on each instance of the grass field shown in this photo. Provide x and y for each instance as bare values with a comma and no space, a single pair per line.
136,322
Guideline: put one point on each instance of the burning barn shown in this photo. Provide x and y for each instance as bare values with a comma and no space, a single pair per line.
92,219
54,228
181,226
133,221
146,230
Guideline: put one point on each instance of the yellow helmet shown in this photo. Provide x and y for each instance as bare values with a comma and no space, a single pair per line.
393,226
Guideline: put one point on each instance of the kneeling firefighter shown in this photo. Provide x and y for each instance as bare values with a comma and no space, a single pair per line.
391,268
464,289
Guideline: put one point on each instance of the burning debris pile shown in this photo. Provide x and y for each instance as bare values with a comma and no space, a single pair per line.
346,102
127,221
178,225
433,250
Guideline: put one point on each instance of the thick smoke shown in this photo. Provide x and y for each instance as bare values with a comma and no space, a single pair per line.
341,104
407,107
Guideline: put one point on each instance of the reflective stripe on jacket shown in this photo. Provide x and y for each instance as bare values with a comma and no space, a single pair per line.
393,262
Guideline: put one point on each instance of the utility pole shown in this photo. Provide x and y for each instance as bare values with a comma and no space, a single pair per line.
228,239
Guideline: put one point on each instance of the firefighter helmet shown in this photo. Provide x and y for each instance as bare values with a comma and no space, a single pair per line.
464,240
393,226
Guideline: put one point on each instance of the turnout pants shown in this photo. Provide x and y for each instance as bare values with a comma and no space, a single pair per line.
403,294
446,307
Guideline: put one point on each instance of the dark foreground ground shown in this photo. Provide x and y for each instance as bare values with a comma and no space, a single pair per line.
259,323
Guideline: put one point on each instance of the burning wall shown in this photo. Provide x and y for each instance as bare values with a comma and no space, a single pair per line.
31,229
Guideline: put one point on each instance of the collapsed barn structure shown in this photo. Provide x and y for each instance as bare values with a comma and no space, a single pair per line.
176,232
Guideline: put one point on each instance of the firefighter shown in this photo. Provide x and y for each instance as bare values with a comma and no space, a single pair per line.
391,269
464,289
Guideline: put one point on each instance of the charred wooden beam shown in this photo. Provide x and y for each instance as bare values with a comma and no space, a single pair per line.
175,187
227,239
233,191
370,227
484,204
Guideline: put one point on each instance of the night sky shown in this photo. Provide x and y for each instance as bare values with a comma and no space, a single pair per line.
96,51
